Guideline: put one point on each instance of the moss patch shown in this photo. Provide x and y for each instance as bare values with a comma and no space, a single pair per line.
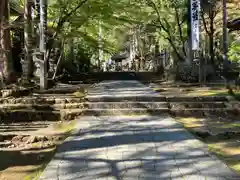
231,125
221,92
217,92
64,126
229,152
25,164
36,173
28,163
80,93
159,89
227,149
190,122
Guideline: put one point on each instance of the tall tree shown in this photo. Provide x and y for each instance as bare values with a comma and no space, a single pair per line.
100,46
171,23
210,9
43,43
28,59
225,32
5,42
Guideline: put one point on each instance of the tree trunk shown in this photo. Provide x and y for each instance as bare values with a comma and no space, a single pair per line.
28,59
189,28
1,51
156,53
225,33
130,54
71,49
5,43
37,20
201,69
180,31
225,43
35,37
141,58
132,50
43,42
211,48
133,43
100,46
58,65
211,36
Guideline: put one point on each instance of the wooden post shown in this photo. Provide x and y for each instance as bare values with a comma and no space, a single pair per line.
43,42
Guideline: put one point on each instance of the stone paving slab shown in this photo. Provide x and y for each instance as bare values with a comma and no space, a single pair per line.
145,147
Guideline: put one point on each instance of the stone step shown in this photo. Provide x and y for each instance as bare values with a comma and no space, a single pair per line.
197,99
56,91
151,98
43,106
27,115
125,105
63,89
125,99
186,105
157,84
120,105
175,112
42,100
155,105
220,112
132,111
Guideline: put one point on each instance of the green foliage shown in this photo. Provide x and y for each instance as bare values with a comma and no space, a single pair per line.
234,51
81,18
155,21
170,18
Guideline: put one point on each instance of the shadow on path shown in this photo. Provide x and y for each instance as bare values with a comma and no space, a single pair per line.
133,147
137,148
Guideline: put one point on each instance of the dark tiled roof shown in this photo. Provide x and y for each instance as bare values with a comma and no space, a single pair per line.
234,24
120,56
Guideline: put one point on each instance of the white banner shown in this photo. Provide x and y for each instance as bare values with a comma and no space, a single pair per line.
195,16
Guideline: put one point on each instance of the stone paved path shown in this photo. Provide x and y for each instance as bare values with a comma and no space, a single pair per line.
143,147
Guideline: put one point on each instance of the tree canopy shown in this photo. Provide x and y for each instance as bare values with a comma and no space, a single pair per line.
90,26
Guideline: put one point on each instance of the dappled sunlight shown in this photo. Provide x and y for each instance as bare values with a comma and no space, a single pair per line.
28,164
129,147
190,122
110,86
221,136
212,124
228,151
130,89
222,92
120,145
191,91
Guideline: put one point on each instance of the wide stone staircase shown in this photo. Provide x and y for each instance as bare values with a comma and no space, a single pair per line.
140,99
177,106
112,98
61,103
